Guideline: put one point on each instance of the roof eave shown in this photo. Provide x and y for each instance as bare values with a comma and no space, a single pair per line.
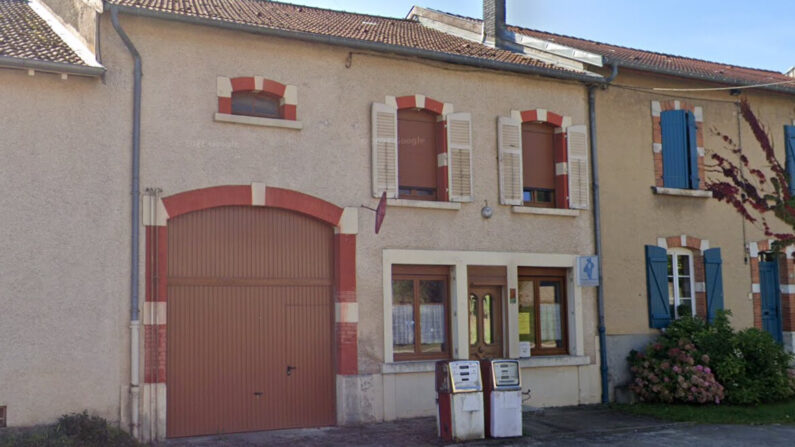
50,67
364,45
698,76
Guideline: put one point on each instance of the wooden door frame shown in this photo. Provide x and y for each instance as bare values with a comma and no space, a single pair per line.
160,210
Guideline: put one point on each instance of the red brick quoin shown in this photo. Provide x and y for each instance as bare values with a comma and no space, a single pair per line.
346,337
286,93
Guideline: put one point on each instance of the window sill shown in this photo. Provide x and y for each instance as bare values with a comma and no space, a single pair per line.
545,211
258,121
413,366
424,204
659,190
542,361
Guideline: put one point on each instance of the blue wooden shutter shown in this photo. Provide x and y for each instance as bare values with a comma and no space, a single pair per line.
713,272
789,140
692,149
657,286
674,149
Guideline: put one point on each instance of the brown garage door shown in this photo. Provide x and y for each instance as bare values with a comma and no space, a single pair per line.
250,322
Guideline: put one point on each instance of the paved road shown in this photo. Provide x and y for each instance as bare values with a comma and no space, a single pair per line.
574,426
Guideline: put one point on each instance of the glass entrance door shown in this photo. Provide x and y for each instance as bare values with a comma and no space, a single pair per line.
485,322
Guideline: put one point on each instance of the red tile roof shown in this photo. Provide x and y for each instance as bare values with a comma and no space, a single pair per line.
25,35
289,17
652,61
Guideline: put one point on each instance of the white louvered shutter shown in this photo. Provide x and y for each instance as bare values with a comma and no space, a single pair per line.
579,178
385,147
459,150
509,147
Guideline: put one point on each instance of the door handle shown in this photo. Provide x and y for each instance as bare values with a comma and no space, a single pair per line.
290,370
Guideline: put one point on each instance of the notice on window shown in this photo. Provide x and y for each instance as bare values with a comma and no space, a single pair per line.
524,323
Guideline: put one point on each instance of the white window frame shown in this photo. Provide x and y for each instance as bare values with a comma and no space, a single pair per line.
676,252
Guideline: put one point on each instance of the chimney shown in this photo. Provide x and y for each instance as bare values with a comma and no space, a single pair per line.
80,17
493,22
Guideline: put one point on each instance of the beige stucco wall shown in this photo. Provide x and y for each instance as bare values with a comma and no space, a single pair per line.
633,216
64,256
64,245
183,149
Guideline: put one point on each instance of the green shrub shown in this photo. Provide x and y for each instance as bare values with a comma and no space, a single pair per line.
750,365
72,430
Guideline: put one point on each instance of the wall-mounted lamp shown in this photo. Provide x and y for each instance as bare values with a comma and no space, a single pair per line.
486,211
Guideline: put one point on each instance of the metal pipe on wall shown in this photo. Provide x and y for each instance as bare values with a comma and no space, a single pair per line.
134,221
600,296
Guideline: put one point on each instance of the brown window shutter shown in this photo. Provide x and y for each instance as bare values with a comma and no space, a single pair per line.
385,163
459,148
579,178
509,147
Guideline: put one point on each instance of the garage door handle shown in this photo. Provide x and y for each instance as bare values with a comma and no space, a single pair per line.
290,369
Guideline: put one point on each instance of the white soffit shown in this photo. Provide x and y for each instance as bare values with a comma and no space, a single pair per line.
556,48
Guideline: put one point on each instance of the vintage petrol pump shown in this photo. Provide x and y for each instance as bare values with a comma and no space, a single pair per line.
502,395
459,400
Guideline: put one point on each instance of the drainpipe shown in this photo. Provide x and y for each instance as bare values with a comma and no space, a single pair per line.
134,239
600,295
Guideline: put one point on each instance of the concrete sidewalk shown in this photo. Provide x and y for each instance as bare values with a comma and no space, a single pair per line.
570,426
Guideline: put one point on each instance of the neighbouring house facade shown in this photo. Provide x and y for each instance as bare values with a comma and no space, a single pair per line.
667,247
244,287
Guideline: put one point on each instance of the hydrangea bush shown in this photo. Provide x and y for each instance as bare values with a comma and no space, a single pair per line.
674,374
696,362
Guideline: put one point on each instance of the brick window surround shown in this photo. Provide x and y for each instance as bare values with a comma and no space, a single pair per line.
657,108
560,123
345,225
786,267
696,247
287,94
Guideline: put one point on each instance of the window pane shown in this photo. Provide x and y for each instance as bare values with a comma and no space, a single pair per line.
527,195
684,288
550,315
473,319
432,315
488,319
527,312
403,315
685,307
670,265
684,265
544,196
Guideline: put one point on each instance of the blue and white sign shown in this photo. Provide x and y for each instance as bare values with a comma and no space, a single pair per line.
587,271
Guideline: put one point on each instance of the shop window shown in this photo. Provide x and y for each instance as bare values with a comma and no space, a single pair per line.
542,310
420,312
417,159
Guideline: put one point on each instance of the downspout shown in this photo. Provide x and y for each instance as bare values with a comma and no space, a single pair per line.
600,294
134,219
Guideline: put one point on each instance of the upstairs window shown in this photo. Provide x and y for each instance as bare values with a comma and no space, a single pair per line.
253,103
543,160
789,143
538,164
679,149
421,150
417,154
